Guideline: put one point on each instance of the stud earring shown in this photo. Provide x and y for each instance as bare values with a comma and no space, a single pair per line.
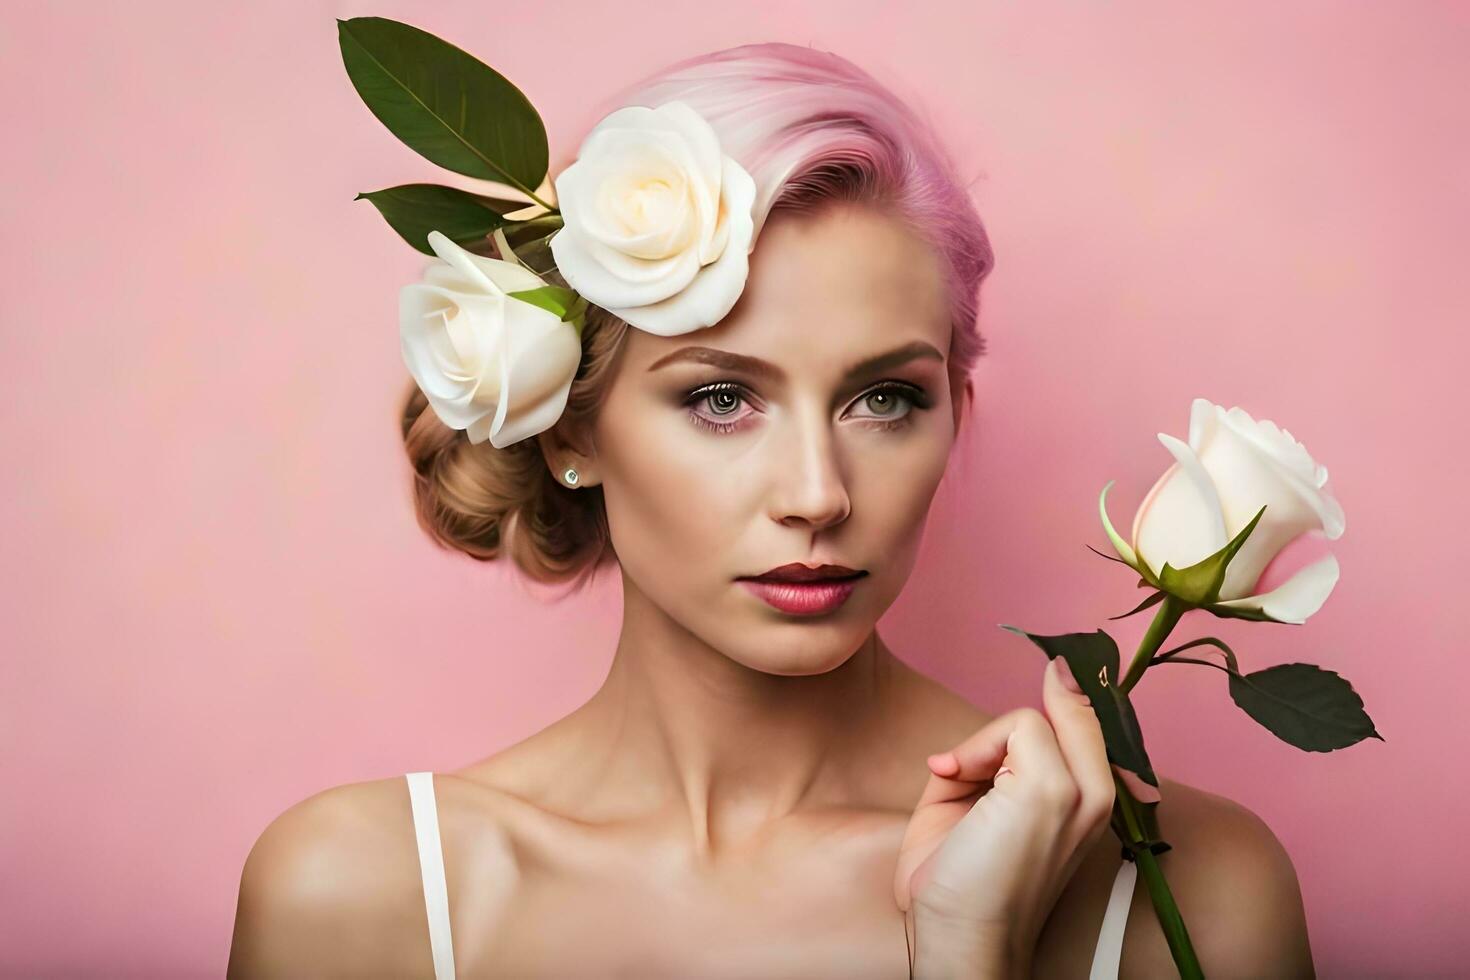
570,476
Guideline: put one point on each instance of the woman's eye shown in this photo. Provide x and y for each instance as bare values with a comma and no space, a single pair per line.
722,400
887,403
891,404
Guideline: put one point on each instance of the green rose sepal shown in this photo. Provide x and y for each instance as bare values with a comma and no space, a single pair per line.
1195,587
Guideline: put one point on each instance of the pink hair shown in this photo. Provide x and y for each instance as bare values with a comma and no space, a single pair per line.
810,127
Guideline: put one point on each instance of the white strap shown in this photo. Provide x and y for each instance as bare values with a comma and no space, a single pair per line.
431,867
1109,953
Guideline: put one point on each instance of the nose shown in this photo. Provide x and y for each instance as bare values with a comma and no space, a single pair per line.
809,490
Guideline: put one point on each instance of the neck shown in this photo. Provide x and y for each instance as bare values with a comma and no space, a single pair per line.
697,738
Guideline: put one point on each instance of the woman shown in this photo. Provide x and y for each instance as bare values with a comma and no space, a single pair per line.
760,787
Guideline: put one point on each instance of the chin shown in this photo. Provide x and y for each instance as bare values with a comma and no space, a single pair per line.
798,649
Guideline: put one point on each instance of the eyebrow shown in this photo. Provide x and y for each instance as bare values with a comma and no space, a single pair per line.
756,367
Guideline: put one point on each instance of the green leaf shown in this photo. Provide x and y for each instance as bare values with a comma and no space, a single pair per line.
1093,660
414,210
1305,705
1200,583
444,103
1312,708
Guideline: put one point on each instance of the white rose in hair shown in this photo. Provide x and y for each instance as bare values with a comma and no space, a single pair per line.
658,221
1231,466
490,364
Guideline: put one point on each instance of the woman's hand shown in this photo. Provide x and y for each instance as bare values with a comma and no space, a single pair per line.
999,830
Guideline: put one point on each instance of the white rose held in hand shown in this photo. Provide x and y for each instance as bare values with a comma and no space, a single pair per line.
1230,467
659,222
495,366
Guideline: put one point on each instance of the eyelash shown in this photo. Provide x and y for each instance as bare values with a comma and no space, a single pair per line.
912,393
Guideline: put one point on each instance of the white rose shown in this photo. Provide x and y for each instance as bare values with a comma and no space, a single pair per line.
1231,466
493,365
659,223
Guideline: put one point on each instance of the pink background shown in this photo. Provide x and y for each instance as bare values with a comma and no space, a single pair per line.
216,600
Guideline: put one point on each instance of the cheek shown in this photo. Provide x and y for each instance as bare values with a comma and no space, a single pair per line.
895,494
669,508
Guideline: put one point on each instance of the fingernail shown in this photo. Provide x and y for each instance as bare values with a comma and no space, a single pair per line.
943,761
1064,674
1142,792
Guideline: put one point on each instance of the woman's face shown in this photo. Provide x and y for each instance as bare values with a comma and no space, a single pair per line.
811,425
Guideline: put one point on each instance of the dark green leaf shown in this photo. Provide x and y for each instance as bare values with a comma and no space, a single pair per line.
1305,705
1312,708
414,210
1093,660
444,103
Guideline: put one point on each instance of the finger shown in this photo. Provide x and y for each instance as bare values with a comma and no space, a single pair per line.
1020,741
976,760
1142,791
1080,738
944,764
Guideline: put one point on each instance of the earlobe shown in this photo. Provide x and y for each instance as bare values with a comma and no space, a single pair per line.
572,473
571,468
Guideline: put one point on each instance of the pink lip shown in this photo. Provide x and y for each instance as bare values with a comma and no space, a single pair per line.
802,598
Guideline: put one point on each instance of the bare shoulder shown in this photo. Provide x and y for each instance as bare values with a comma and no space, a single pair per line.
1236,888
332,887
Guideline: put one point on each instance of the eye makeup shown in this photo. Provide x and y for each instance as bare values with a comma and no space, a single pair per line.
724,392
